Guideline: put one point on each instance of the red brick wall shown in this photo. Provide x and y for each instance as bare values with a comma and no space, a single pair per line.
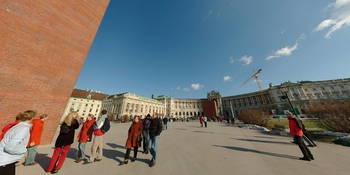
209,108
43,47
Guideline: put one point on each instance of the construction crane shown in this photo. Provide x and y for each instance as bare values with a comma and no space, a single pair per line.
255,75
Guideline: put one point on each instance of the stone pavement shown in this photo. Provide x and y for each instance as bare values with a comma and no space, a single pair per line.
186,148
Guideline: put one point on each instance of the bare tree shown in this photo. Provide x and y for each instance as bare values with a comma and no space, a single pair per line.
255,117
335,115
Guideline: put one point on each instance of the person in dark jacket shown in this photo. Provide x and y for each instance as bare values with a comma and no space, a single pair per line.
154,133
165,122
63,142
145,132
296,129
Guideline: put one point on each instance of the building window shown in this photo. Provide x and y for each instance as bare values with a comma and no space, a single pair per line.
92,105
90,110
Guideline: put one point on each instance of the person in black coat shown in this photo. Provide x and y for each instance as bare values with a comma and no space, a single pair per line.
63,142
154,133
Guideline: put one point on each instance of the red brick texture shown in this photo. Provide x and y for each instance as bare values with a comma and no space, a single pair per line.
43,47
209,108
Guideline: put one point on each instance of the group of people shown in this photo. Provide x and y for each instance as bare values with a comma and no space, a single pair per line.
202,120
146,131
20,138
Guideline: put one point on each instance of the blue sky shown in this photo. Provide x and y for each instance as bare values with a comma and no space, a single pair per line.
185,49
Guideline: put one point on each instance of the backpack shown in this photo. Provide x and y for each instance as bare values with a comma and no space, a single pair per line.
146,123
6,128
106,125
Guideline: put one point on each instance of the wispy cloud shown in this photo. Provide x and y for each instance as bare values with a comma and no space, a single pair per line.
286,51
339,18
178,88
186,89
283,31
196,86
232,60
246,59
208,15
227,78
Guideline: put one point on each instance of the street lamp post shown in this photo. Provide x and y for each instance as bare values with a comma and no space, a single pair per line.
284,90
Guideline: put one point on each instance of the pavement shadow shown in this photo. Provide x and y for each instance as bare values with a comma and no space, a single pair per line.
263,141
43,160
114,154
113,145
180,128
258,152
213,133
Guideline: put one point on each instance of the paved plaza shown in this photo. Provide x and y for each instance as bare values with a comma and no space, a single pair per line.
186,148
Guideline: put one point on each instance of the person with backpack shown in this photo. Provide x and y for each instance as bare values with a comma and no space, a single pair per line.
97,143
145,133
13,144
63,142
35,138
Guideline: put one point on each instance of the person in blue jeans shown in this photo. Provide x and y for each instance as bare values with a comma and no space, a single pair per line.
154,133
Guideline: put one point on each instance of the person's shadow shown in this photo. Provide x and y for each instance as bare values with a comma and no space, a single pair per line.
257,151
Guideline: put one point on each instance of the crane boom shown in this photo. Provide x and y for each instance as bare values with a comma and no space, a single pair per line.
255,75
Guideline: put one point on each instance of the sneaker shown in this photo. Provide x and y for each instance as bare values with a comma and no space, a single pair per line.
125,161
133,159
97,160
305,158
312,157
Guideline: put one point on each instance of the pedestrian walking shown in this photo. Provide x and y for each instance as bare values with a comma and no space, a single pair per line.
63,142
84,136
97,143
165,123
296,129
35,138
205,120
145,133
133,141
154,134
201,121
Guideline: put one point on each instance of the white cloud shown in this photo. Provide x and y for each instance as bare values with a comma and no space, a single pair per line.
178,88
208,15
340,17
246,59
232,60
227,78
285,51
196,86
283,31
186,89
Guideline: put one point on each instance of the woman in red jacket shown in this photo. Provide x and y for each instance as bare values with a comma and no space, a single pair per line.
134,133
35,138
85,136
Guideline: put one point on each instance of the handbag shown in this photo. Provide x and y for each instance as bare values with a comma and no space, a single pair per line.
139,139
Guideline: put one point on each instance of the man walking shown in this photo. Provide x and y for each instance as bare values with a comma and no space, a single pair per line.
296,129
205,120
96,149
146,122
165,122
154,134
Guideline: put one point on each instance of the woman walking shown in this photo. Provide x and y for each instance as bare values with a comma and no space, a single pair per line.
134,133
63,142
84,136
